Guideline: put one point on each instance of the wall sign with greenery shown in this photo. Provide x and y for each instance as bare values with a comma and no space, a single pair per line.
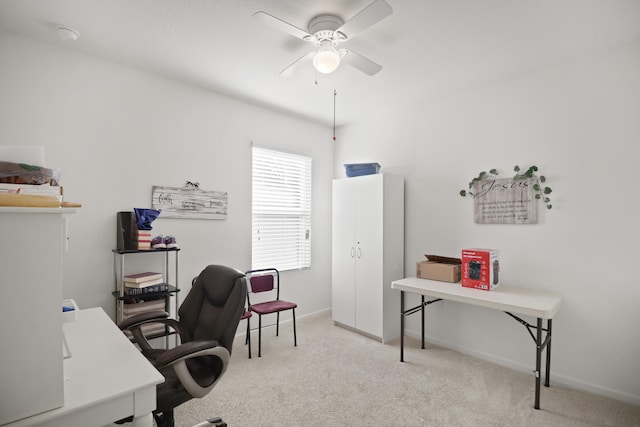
542,192
508,200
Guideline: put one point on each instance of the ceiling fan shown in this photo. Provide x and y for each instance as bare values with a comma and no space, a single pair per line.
327,31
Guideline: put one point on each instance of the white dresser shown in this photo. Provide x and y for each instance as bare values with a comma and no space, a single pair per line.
31,251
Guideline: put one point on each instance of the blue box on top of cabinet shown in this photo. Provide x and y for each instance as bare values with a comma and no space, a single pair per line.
359,169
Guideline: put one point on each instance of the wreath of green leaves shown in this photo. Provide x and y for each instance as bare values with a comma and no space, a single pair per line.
541,191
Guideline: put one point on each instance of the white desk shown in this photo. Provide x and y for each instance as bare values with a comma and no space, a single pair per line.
106,377
513,301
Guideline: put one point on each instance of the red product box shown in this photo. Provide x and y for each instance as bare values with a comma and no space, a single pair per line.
480,269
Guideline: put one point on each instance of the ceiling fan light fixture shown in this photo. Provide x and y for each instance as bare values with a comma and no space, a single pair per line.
326,31
327,59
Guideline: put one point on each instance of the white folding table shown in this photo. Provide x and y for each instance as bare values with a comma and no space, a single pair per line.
513,301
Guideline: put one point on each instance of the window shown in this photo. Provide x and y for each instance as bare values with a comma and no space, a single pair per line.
281,210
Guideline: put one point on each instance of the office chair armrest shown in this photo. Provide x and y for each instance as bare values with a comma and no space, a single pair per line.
142,317
177,357
184,351
134,325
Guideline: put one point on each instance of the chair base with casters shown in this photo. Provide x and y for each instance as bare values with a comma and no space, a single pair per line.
217,422
209,318
263,281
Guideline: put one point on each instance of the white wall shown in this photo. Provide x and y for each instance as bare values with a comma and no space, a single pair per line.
115,132
579,122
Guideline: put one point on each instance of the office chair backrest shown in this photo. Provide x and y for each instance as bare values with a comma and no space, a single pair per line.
218,293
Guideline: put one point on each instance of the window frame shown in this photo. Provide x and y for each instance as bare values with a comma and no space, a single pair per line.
281,195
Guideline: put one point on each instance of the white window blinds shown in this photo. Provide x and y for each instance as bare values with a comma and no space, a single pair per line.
281,210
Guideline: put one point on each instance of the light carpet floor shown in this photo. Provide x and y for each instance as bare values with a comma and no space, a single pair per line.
336,377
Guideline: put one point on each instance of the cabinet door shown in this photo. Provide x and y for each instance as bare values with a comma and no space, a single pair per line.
369,253
31,328
343,253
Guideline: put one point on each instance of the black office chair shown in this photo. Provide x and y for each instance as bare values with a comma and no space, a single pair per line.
209,318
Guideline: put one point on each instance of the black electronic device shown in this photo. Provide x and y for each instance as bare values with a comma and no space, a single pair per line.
125,230
474,270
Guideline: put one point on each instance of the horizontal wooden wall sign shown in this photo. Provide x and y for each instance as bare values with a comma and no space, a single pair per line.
189,203
505,201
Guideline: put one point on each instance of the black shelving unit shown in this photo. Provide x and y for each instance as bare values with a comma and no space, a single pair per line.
171,280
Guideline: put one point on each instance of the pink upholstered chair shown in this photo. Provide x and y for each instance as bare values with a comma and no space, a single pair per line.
264,284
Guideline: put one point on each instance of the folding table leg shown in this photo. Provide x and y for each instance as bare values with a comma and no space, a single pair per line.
422,314
402,326
548,372
538,361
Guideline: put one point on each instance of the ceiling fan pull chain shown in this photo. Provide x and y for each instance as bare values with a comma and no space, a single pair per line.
335,93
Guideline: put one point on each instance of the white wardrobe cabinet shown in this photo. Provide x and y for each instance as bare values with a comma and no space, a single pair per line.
368,253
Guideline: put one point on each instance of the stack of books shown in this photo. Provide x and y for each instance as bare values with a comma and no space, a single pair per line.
143,239
144,283
133,309
44,195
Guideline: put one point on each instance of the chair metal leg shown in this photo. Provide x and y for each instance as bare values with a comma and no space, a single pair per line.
259,335
247,339
295,340
295,335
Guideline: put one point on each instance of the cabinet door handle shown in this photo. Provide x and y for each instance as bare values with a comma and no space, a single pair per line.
359,252
352,252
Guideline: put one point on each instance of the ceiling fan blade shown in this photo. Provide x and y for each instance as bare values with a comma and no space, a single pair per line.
358,61
297,64
281,25
375,12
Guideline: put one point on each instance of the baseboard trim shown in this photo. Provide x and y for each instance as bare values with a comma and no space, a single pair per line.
357,331
559,379
242,328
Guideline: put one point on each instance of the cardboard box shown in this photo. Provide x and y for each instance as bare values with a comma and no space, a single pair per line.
440,268
480,269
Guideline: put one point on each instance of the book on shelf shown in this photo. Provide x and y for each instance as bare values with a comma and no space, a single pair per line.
142,235
144,284
41,189
142,277
163,287
127,310
44,195
142,239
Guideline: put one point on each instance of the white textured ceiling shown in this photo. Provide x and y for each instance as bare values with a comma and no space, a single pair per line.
427,48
